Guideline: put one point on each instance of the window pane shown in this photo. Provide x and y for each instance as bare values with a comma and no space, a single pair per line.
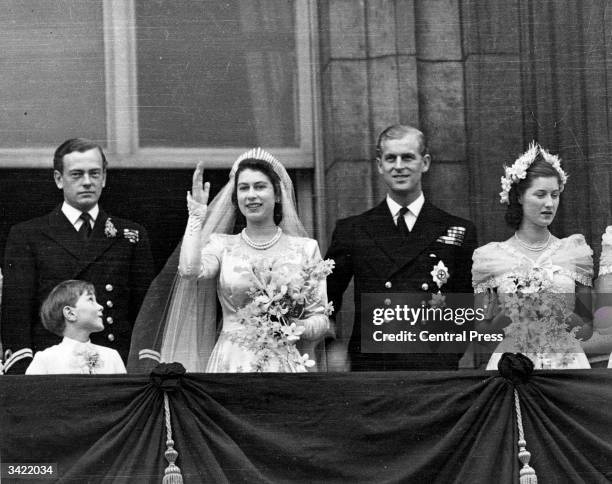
52,74
217,74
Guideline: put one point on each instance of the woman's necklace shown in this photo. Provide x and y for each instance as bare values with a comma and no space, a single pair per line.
533,248
261,245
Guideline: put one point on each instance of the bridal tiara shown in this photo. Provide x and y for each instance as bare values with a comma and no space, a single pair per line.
257,154
518,170
261,154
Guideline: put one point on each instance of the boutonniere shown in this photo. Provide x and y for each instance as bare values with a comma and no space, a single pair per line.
88,359
131,234
109,228
440,274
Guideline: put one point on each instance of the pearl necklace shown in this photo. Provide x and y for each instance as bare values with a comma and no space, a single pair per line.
261,245
533,248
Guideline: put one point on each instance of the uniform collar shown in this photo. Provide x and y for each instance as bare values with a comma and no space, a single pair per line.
415,207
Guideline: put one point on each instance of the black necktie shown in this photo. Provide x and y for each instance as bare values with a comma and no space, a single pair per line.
401,222
85,230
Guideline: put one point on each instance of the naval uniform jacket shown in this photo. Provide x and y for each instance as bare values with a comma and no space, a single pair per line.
45,251
369,248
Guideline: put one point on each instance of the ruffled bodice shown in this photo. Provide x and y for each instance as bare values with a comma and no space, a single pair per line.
566,261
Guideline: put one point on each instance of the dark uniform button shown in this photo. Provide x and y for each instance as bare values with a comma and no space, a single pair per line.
109,320
425,286
109,304
111,337
109,288
387,302
388,285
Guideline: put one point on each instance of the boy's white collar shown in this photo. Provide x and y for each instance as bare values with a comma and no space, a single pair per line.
73,342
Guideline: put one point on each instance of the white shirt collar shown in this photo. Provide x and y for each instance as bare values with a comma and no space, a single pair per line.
73,343
414,208
74,214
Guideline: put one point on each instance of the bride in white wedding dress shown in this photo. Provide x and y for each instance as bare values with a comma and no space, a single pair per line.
216,263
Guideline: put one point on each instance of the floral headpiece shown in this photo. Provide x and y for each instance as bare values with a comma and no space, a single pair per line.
518,171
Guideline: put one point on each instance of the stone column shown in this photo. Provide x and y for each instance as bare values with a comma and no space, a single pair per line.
369,81
442,102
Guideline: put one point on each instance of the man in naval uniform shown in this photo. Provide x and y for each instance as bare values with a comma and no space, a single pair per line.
77,240
395,247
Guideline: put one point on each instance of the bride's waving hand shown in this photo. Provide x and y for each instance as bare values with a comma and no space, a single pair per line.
197,205
199,190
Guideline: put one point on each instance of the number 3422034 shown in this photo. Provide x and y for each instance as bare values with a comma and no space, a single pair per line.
29,470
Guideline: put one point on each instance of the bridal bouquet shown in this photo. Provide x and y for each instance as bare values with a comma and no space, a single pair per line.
281,296
538,314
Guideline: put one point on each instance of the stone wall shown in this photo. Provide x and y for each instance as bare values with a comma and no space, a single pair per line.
481,79
385,62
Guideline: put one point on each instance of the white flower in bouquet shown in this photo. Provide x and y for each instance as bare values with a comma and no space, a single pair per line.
538,314
306,361
292,332
279,299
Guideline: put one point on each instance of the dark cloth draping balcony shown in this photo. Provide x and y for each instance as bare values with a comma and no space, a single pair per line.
361,427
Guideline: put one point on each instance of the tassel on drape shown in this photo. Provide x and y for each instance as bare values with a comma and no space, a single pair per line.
172,473
517,369
527,474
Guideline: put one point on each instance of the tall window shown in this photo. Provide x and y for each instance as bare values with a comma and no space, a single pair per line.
160,83
51,72
217,74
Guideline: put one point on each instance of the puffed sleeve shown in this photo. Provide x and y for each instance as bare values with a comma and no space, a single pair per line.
605,262
316,323
576,260
485,267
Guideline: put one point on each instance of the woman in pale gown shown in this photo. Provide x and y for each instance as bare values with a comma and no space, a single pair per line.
561,270
258,196
599,346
